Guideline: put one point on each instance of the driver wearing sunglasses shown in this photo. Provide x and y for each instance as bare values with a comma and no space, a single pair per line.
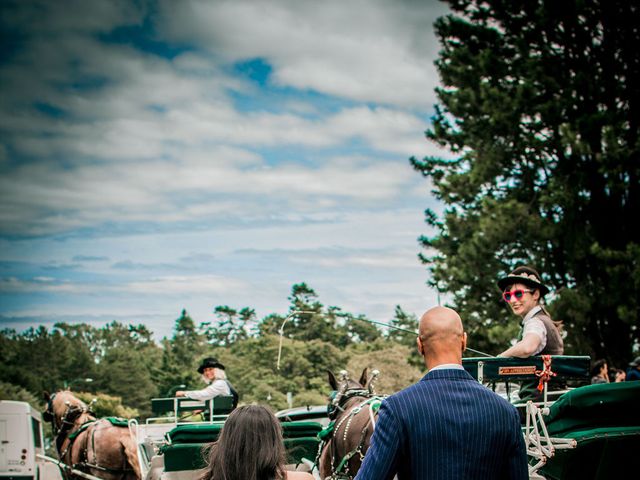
524,291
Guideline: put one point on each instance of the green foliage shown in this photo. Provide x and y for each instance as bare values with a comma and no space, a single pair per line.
232,325
391,362
17,393
103,405
123,372
407,328
128,368
41,360
539,105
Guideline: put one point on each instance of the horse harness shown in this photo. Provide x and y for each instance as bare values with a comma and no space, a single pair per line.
65,432
340,466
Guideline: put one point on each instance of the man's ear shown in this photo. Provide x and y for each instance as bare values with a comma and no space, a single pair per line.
420,346
464,341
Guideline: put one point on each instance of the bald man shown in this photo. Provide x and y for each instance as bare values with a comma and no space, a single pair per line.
446,426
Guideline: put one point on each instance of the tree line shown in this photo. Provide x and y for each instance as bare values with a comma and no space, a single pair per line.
127,367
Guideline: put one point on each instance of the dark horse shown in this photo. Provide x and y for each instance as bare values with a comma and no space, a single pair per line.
96,447
354,411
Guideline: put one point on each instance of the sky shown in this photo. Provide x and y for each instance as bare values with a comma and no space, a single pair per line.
159,155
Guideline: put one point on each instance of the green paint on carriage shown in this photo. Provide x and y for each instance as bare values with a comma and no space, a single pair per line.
604,420
500,369
221,405
183,456
195,433
185,450
596,406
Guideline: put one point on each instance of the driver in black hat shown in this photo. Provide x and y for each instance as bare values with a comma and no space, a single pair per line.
214,375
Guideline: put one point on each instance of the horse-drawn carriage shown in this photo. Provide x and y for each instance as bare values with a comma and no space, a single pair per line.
171,448
583,434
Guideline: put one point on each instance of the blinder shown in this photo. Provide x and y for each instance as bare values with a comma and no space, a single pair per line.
47,415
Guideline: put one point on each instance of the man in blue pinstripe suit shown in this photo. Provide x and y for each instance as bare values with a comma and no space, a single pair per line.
446,426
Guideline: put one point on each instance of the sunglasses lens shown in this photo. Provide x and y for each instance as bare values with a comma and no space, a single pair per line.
518,294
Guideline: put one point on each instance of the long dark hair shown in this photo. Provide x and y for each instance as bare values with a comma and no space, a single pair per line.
250,447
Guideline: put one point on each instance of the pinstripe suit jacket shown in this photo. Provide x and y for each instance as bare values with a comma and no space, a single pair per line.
446,426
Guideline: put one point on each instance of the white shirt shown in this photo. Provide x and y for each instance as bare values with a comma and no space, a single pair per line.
214,389
535,326
455,366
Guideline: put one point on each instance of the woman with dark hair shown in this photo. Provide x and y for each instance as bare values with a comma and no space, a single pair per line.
599,372
524,292
250,447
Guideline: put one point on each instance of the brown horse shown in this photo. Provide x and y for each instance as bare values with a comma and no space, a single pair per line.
354,409
93,446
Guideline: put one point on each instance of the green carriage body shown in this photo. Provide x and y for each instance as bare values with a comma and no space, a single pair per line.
186,444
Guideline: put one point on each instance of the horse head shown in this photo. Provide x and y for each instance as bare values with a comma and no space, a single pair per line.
346,388
65,410
353,409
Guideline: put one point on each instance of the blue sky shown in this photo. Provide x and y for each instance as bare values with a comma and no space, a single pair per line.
161,155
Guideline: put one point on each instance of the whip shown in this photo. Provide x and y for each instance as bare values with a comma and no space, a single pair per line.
412,332
297,312
281,331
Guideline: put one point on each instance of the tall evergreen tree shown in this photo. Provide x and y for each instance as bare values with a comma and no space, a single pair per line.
231,325
540,105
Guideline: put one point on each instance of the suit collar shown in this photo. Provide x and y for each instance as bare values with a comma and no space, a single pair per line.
450,373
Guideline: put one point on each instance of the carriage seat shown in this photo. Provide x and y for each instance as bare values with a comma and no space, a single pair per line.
216,408
604,420
185,443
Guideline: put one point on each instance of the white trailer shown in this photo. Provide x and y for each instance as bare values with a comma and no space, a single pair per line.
21,444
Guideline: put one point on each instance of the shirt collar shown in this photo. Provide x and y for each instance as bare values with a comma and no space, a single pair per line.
531,313
443,366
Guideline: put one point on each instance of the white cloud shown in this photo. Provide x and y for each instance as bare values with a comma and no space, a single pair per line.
151,159
162,286
365,50
192,285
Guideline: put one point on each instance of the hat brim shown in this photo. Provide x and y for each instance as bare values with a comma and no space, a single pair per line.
210,365
513,279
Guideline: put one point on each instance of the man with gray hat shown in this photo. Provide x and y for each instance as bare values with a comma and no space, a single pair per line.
634,370
214,375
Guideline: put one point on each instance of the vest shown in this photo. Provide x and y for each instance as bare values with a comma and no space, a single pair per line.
234,394
555,345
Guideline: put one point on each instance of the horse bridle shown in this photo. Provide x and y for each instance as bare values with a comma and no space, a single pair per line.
344,393
67,420
341,397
